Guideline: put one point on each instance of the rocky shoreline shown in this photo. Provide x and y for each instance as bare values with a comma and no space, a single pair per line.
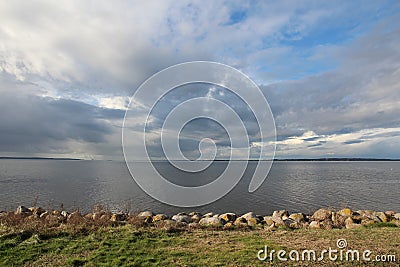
320,219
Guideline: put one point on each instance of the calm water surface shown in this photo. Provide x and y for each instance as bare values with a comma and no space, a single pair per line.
295,186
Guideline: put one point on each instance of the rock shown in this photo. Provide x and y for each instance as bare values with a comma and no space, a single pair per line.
194,213
145,214
250,218
159,217
367,222
348,220
353,225
292,223
322,215
297,217
64,213
195,218
23,210
389,213
193,225
37,211
397,216
97,215
228,226
88,216
338,220
181,217
268,220
314,225
210,214
105,217
118,217
345,212
326,224
240,222
280,214
44,214
74,216
382,216
210,221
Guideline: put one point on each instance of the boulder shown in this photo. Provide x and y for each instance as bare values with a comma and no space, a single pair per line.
345,212
280,213
118,217
292,223
74,216
322,215
37,211
397,216
64,213
210,214
297,217
240,222
338,220
210,221
195,218
159,217
23,210
181,217
382,216
145,214
228,226
268,220
314,225
250,218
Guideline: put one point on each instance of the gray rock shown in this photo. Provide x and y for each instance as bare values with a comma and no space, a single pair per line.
181,218
228,217
23,210
322,215
145,214
210,221
292,224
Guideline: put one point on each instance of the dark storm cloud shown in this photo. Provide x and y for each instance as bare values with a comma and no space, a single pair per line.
31,123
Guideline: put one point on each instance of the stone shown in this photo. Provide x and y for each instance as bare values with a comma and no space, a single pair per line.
118,217
74,216
145,214
268,220
37,211
88,216
194,213
181,217
64,213
297,217
292,223
397,216
23,210
353,225
195,218
382,216
210,214
280,213
348,220
44,214
345,212
338,220
326,224
193,225
314,225
240,222
367,222
210,221
159,217
228,226
322,215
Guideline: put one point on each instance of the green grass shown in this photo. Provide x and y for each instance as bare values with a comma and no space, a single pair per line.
129,246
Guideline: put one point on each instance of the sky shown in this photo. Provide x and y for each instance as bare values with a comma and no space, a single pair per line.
330,71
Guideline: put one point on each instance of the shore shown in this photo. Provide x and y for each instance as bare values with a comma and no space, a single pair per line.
38,237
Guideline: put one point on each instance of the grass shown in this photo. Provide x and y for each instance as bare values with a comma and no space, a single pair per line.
136,246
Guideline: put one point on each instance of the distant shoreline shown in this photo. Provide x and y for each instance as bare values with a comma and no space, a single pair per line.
222,160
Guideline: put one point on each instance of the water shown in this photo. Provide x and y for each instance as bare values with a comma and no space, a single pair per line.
295,186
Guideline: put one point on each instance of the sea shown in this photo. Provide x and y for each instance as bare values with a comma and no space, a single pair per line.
296,186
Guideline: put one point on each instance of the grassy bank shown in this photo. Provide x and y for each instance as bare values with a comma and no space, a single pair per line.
136,246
